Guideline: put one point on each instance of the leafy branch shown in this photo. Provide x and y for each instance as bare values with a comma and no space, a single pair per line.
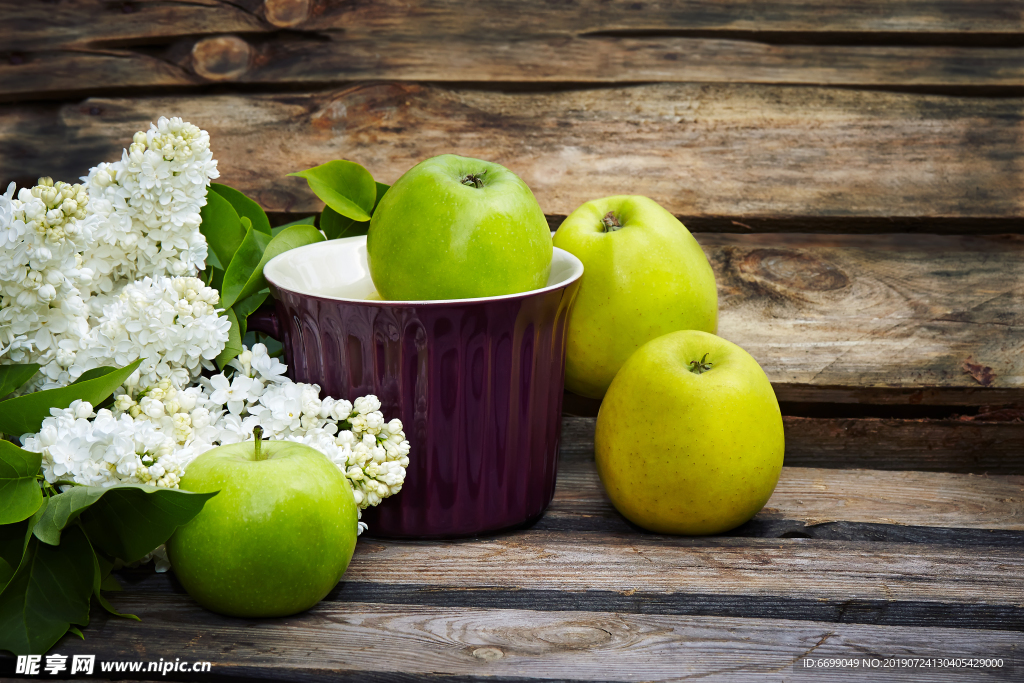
242,242
57,549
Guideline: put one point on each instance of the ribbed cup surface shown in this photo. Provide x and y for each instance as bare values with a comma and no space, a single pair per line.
478,386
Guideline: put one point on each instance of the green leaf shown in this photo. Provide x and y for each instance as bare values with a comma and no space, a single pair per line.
128,521
244,206
14,539
49,592
20,495
24,414
221,227
234,345
74,630
216,278
295,236
6,572
101,582
244,308
212,261
12,548
110,584
160,506
63,509
94,373
336,226
14,377
308,220
345,186
242,266
381,191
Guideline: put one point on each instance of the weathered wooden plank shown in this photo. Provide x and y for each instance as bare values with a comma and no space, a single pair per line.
917,498
660,565
337,640
91,22
816,496
943,507
930,445
877,313
878,612
51,71
881,319
946,445
700,150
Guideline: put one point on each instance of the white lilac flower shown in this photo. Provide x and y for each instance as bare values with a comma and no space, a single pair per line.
152,434
282,409
43,317
266,366
365,405
147,206
104,451
171,323
232,393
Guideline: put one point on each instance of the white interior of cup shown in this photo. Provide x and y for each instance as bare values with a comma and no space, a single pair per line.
337,269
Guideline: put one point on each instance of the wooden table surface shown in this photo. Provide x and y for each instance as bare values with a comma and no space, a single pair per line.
854,171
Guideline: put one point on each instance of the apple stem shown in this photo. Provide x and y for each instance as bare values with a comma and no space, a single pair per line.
474,179
610,222
257,435
699,367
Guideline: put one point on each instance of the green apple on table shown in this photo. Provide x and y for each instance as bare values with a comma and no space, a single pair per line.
689,436
456,228
278,536
644,276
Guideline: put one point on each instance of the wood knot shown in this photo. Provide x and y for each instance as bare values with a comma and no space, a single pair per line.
286,13
793,270
573,636
223,58
488,654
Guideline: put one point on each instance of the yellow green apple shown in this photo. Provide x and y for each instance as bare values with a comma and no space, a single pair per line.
279,537
689,436
457,228
644,275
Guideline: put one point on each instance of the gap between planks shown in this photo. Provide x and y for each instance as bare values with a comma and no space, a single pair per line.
936,445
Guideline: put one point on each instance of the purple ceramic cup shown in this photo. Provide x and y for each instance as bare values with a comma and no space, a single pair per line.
477,383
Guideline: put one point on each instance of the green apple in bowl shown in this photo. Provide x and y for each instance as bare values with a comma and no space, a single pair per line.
278,536
457,228
644,276
689,436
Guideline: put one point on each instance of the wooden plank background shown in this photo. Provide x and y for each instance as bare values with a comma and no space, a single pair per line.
854,171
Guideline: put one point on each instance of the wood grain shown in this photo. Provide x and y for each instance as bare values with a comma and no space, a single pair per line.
657,565
894,312
701,150
335,640
954,45
114,23
49,71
